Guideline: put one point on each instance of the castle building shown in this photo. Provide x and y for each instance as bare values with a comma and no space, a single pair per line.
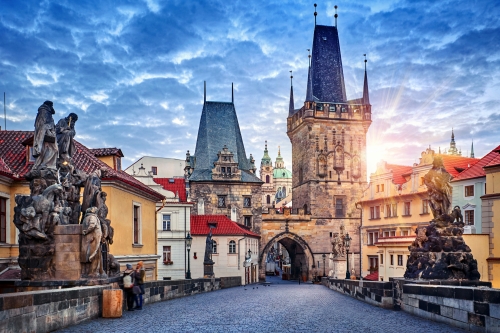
221,178
277,187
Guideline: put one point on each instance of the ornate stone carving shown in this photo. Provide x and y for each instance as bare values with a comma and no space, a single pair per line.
91,257
225,167
44,143
439,251
65,132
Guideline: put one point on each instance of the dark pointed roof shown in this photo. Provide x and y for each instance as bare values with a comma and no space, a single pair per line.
366,95
218,127
309,94
326,68
291,107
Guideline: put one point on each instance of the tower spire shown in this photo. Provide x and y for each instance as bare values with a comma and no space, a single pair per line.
232,92
204,91
309,93
472,150
291,107
315,14
335,15
366,95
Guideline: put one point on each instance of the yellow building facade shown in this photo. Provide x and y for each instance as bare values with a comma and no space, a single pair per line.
394,205
490,207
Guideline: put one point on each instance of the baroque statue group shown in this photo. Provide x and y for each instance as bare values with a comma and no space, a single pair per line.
55,189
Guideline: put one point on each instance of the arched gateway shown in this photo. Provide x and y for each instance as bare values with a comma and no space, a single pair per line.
302,258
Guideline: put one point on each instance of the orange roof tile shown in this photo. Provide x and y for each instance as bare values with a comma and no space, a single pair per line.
476,170
224,226
398,171
175,185
456,164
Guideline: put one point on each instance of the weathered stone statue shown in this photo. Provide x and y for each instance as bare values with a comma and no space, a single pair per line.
209,246
91,191
65,131
107,229
439,251
91,245
44,142
437,181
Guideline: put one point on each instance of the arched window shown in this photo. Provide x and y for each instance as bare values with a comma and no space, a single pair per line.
284,191
268,199
214,247
267,179
232,246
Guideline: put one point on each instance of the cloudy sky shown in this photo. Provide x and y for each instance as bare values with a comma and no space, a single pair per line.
133,71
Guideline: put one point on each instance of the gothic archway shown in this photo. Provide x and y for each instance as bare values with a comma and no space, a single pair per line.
302,250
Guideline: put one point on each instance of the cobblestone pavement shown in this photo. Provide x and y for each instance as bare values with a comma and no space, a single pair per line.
283,307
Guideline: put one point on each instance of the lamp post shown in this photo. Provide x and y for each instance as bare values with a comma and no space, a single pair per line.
189,240
347,243
324,268
248,259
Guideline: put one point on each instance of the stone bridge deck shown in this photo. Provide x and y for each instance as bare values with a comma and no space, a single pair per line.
283,307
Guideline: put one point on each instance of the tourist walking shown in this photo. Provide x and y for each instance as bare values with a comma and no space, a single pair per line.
139,277
128,286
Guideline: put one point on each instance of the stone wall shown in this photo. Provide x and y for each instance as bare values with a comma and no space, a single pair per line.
49,310
376,293
471,308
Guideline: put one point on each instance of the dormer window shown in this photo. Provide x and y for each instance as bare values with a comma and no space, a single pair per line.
29,153
324,38
154,170
319,107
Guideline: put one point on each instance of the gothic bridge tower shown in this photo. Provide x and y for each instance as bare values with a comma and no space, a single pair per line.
328,136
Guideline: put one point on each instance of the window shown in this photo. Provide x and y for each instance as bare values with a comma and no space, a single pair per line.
221,201
405,233
267,179
248,221
247,202
373,264
223,169
167,253
374,212
372,238
378,188
31,159
407,208
268,199
394,209
388,211
301,176
392,260
425,206
347,175
118,163
422,181
3,220
166,222
339,207
232,246
381,187
154,170
381,259
469,191
469,217
137,224
400,260
214,247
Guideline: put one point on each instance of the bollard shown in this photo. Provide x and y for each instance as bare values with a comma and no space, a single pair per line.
112,303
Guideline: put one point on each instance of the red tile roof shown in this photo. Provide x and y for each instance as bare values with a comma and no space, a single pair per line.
495,161
398,171
372,277
456,164
476,170
13,154
224,226
98,152
175,185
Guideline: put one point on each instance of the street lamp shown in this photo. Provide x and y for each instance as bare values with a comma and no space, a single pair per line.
347,243
324,259
189,240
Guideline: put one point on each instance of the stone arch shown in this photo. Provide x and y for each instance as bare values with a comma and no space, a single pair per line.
309,255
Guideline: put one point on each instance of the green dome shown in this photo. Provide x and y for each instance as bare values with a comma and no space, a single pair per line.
282,173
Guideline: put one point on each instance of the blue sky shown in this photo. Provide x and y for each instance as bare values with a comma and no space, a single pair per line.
133,70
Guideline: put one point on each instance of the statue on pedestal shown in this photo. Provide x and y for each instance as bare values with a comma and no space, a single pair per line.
91,258
44,143
65,131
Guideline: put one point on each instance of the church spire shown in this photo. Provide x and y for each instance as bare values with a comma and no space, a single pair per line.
291,107
453,146
266,159
472,150
366,96
309,93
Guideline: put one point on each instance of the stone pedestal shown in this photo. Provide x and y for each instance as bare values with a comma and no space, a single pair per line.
208,270
338,268
68,239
